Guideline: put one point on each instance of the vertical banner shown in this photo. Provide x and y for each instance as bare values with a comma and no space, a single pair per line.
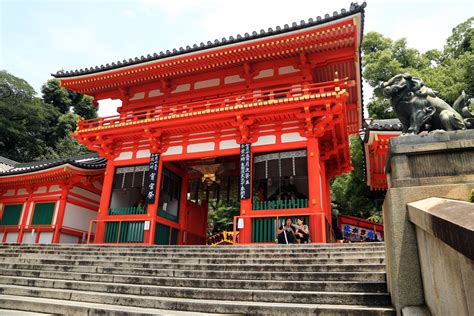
152,178
244,171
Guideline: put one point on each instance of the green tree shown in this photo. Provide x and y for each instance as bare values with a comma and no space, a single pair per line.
448,72
221,215
349,193
33,128
65,100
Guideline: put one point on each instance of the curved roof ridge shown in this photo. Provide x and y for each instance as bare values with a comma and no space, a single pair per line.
87,161
354,8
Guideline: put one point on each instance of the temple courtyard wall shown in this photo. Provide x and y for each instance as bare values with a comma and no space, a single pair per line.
419,167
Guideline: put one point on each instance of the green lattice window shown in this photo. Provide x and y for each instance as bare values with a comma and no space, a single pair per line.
43,214
124,232
163,237
11,214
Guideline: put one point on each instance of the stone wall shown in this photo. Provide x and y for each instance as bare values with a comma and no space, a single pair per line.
419,167
445,235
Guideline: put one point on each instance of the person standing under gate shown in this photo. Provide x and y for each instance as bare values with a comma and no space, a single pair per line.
286,233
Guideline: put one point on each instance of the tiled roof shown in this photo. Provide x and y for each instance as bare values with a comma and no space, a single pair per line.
384,125
89,161
7,161
353,9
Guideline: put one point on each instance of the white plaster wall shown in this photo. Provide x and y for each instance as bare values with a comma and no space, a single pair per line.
41,189
291,137
207,83
54,188
12,237
46,238
124,155
265,140
228,144
29,238
194,148
173,150
138,96
22,192
287,70
265,73
9,193
182,88
233,79
78,217
68,239
143,153
155,93
85,193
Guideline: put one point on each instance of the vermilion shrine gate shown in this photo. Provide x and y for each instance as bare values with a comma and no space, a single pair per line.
263,118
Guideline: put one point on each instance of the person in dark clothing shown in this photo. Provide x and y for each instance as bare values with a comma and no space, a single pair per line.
301,231
286,233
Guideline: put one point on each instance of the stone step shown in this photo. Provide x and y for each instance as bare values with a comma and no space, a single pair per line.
196,247
211,274
196,260
160,297
71,307
320,286
209,249
288,296
262,255
367,267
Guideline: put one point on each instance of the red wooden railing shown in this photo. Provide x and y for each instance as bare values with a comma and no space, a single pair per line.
209,106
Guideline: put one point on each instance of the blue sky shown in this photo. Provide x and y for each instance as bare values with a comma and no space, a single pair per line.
39,37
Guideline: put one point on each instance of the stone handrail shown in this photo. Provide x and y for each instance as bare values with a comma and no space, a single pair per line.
445,237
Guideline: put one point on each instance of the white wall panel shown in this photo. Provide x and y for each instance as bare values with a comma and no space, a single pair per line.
78,217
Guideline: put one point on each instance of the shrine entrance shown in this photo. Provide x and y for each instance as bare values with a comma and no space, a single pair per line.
201,195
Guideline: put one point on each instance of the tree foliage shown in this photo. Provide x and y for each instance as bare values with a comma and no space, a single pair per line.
349,193
221,215
448,72
34,128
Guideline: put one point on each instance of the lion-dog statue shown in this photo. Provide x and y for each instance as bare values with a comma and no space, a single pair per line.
419,109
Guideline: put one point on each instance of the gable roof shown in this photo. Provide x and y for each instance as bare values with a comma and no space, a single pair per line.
353,9
88,161
8,162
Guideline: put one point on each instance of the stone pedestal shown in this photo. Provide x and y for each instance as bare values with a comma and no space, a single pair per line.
439,164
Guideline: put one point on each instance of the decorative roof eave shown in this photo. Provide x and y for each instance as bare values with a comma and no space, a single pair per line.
332,35
286,29
79,164
58,173
231,110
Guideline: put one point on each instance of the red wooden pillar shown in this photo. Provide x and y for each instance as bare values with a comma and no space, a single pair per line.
60,216
23,220
326,193
104,201
183,215
316,222
152,209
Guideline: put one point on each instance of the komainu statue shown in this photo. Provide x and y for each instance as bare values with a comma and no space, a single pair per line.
419,109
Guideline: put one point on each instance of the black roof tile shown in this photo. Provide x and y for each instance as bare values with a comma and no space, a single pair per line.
8,162
88,161
353,9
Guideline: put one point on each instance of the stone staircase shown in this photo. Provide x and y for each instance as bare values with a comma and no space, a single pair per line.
330,279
